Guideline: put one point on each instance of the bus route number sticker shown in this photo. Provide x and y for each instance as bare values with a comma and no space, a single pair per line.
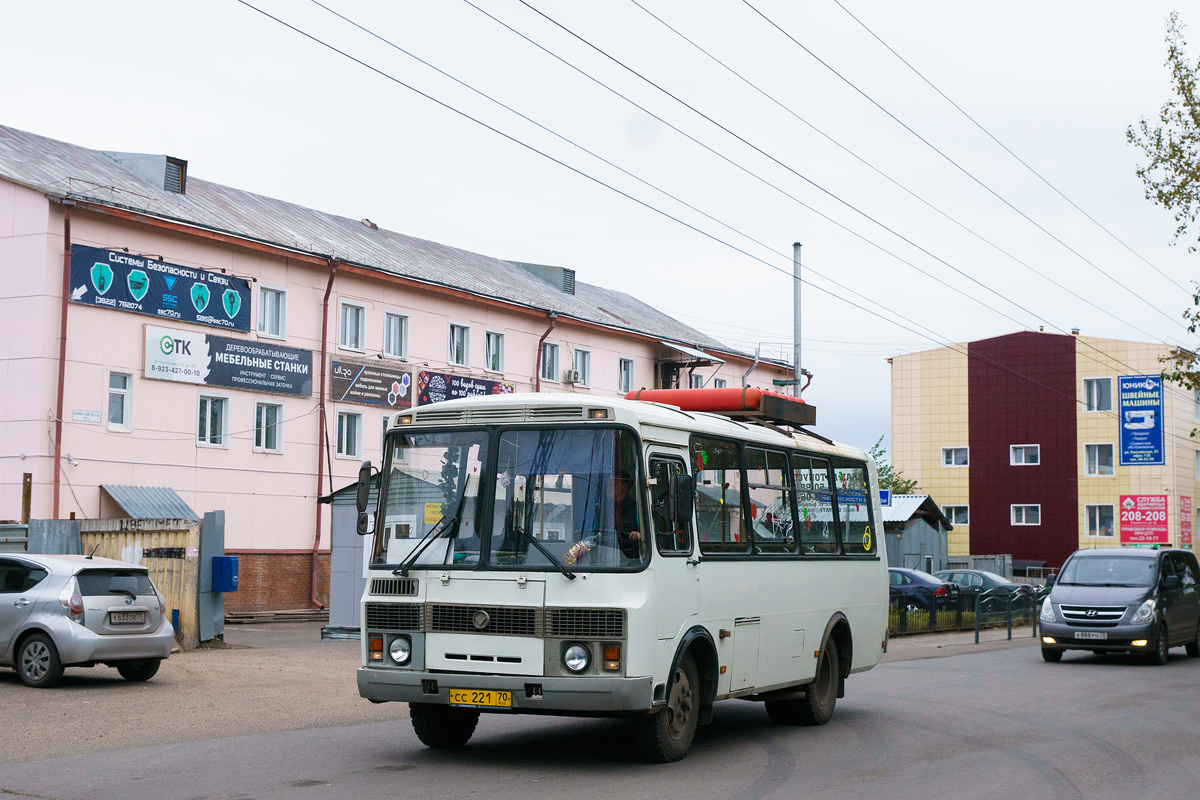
867,538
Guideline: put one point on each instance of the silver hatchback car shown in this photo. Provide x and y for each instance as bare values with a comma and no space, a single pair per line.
77,611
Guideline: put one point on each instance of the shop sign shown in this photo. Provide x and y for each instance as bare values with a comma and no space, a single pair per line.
144,285
1141,419
1144,519
1185,520
372,383
434,387
211,360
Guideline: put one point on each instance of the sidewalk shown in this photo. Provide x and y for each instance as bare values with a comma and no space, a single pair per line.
917,646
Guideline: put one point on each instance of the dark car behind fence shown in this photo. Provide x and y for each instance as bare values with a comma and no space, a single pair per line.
927,611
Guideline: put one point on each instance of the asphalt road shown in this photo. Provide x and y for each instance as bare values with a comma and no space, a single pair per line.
998,723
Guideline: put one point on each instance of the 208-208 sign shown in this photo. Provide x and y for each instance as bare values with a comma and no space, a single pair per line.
1144,519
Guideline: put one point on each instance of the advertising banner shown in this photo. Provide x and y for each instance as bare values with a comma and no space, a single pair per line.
1144,519
210,360
1185,520
143,285
372,383
434,387
1141,419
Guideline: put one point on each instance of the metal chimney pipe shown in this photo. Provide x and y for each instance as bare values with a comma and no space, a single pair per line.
796,316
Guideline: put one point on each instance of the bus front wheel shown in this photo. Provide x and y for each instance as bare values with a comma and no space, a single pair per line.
667,735
816,707
443,727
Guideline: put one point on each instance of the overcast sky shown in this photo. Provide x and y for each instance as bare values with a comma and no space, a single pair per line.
254,105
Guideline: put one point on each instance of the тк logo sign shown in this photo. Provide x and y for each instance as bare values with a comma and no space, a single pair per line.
180,346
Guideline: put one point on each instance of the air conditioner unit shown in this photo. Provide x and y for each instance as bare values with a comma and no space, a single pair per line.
571,376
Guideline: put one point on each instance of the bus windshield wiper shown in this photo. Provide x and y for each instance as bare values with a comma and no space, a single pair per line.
446,523
560,566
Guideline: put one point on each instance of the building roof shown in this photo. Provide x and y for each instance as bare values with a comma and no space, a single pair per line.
150,502
69,171
906,506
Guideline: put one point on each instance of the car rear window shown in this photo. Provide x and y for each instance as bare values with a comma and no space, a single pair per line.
93,582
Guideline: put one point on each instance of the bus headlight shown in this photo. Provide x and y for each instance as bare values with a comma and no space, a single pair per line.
400,650
576,658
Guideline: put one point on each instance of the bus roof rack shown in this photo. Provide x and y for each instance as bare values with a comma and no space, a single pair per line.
746,403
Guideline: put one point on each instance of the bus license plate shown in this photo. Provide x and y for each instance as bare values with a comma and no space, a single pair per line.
480,697
127,617
1091,635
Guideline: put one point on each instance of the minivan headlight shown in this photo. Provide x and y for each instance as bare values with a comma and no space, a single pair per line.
1048,611
1145,612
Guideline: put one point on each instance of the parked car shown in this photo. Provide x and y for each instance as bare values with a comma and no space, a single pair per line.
78,611
980,580
1124,600
920,589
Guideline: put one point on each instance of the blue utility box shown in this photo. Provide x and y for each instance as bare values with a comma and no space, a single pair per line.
224,573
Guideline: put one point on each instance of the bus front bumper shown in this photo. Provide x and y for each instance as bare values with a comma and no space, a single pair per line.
530,693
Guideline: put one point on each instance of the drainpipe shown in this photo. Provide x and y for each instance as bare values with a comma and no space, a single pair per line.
537,370
62,351
746,374
333,265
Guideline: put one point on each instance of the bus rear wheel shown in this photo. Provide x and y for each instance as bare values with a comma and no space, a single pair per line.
816,707
443,727
667,735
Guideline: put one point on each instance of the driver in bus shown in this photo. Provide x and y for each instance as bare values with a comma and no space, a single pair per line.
625,516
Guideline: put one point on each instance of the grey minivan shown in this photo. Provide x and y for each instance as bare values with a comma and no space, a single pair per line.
1124,600
62,611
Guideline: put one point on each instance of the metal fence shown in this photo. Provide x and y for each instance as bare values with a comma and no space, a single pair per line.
13,537
926,611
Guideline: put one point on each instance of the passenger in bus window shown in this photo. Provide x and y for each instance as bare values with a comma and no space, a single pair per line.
625,516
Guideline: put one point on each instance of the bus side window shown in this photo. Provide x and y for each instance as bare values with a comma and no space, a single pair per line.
854,508
770,501
814,506
670,541
718,470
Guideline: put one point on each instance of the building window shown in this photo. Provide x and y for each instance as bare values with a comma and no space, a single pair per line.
493,355
118,401
1097,394
1196,403
720,383
272,312
1100,521
549,361
268,427
958,515
352,326
954,457
1024,455
213,421
395,335
625,375
695,381
581,363
1026,515
349,434
1198,465
460,345
1099,459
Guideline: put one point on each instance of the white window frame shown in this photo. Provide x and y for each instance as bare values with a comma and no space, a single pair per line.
487,351
1087,521
695,381
719,383
585,374
282,292
466,329
339,449
126,404
1087,465
1198,465
362,327
548,373
947,511
210,396
1087,409
952,465
1196,404
278,448
402,351
1013,449
1012,513
621,362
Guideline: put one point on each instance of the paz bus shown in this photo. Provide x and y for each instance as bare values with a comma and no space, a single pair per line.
642,557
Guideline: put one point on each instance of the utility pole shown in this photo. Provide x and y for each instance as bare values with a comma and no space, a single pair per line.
796,317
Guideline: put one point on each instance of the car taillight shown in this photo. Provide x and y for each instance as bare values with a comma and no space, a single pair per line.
73,606
942,590
162,603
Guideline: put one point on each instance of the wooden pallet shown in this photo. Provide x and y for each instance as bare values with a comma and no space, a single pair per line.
295,615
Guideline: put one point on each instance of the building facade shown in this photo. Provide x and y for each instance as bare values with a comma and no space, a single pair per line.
1038,444
161,330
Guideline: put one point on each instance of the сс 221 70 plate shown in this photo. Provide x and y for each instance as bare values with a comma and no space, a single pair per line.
488,698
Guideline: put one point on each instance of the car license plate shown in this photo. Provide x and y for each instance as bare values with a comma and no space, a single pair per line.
480,697
127,617
1091,635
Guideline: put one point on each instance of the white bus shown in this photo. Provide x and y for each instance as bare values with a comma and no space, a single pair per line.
577,555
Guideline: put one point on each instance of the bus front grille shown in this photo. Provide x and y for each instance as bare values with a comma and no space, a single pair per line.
496,620
394,616
397,587
585,623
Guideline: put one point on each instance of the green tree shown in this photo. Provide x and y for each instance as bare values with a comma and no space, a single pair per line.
890,477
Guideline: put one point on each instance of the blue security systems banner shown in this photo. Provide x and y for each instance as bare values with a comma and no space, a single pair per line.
1140,406
144,285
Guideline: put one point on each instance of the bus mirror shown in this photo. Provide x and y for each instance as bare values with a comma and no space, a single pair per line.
364,523
680,495
364,491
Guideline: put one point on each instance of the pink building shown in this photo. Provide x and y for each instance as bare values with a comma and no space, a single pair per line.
159,330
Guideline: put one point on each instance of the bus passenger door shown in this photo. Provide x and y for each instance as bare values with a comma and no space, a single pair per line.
676,577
